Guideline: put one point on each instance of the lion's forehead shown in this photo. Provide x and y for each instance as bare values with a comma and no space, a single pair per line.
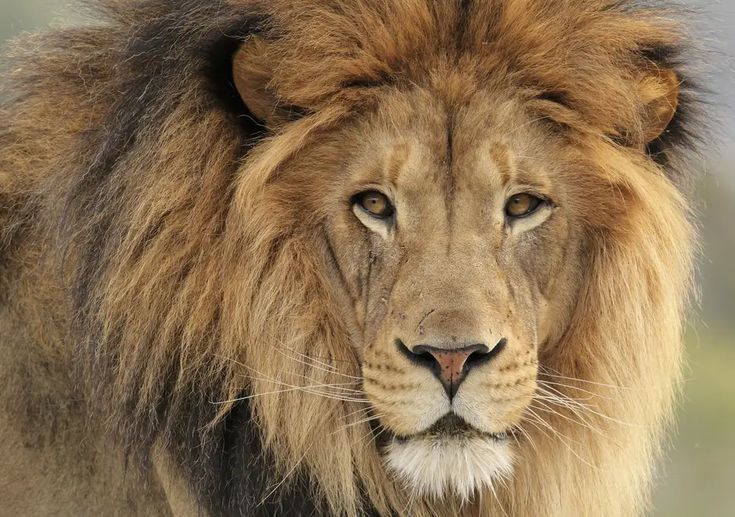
478,154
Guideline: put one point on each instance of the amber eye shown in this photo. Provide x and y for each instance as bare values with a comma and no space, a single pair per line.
375,204
522,205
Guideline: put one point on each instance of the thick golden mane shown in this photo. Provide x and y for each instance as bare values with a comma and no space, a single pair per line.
132,171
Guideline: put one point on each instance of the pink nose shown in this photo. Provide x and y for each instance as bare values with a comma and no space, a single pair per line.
451,365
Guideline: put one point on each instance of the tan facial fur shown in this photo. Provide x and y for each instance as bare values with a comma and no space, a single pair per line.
449,268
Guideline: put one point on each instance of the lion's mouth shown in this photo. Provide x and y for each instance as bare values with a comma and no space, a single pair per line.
453,426
450,457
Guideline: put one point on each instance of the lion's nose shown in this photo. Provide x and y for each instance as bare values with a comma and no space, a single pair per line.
451,365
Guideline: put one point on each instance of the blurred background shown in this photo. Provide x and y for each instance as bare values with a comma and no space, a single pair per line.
698,478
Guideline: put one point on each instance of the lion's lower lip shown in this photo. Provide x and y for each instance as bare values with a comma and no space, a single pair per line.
452,426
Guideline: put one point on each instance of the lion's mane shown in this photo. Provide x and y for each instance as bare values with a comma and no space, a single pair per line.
132,170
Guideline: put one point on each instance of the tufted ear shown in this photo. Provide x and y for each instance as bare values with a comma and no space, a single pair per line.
659,94
252,74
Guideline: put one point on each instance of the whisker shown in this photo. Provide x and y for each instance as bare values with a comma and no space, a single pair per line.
311,389
546,408
576,388
317,365
542,429
563,399
375,435
539,419
552,373
358,411
410,503
266,378
515,437
306,389
497,499
560,399
572,405
562,404
359,422
285,477
557,394
337,385
563,439
353,383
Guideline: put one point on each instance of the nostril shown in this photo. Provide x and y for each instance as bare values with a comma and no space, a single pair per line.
420,355
477,358
482,354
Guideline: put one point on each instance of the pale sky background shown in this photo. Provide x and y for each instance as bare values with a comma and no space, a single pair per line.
715,26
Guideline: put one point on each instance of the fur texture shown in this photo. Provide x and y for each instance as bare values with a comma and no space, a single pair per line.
465,463
167,280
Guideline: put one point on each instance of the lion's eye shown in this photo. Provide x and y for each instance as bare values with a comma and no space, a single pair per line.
522,205
375,204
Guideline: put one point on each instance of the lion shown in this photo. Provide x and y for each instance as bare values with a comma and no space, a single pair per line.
321,257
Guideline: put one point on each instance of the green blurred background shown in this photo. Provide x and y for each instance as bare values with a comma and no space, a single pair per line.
698,478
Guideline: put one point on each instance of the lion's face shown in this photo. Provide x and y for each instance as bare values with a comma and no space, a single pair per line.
452,240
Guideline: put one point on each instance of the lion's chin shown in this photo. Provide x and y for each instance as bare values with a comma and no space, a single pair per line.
439,465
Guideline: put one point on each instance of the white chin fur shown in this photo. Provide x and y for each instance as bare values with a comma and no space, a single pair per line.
439,466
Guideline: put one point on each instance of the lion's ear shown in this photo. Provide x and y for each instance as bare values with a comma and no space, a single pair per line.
659,93
252,75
